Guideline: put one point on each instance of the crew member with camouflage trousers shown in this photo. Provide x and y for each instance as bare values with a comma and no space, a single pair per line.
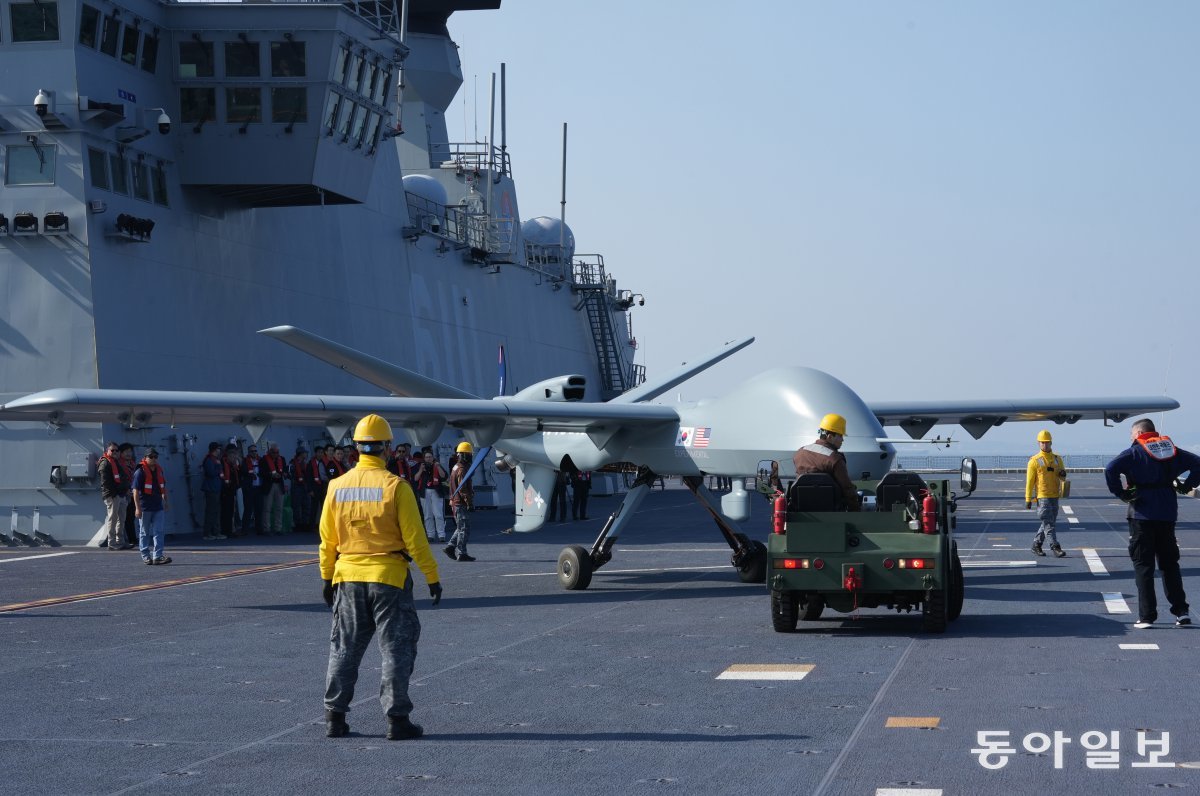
370,533
1044,478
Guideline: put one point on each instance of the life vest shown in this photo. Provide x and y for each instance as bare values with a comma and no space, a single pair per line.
334,464
114,467
226,472
275,466
149,474
432,480
298,474
315,468
1158,446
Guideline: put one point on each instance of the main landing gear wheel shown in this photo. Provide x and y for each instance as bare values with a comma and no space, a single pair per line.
957,586
754,564
575,568
810,610
785,607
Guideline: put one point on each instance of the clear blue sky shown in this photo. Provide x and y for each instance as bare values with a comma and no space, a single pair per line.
985,199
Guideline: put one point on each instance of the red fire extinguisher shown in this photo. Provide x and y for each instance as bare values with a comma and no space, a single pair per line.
780,512
929,513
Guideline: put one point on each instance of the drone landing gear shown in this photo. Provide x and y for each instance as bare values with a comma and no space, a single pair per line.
576,563
749,557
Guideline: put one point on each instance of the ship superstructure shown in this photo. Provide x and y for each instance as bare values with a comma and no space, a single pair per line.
179,175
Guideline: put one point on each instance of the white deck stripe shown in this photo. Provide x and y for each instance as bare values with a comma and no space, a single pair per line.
1068,510
1138,646
617,571
1114,601
1093,561
998,564
31,558
1001,545
1073,520
762,675
908,792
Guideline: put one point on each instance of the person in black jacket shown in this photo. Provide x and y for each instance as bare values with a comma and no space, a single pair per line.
1151,467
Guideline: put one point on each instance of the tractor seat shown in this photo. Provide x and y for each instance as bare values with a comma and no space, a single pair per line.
814,492
895,488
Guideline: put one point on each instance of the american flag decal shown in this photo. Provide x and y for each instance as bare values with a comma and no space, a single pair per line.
700,437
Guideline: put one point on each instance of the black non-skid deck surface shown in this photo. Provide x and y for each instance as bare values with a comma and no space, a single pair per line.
214,685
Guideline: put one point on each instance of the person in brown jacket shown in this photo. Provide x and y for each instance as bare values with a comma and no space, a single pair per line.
823,457
462,500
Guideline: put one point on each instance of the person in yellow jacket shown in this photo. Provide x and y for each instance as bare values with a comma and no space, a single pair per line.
370,533
1044,478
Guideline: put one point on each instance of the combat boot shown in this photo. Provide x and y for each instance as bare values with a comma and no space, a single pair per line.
335,724
1058,551
1037,549
401,729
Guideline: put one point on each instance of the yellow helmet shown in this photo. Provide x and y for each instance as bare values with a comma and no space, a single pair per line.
1044,436
372,428
464,447
835,424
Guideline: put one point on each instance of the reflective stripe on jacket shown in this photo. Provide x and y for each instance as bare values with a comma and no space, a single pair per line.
1044,476
369,518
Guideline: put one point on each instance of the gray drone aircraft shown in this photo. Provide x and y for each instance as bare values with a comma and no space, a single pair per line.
537,430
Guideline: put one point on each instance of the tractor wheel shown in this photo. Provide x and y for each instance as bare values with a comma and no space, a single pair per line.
785,607
957,586
575,568
811,609
933,611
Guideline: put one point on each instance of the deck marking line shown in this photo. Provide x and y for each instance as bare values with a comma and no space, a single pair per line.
908,792
616,571
1093,561
100,595
920,722
1114,601
1138,646
767,671
1068,510
1073,520
1001,545
997,564
43,555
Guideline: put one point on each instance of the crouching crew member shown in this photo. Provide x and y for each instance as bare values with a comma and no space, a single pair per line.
370,533
824,456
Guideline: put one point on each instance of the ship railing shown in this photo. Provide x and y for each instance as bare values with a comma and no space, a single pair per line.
549,260
462,226
474,157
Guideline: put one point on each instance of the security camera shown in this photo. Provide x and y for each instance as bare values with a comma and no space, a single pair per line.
41,103
164,123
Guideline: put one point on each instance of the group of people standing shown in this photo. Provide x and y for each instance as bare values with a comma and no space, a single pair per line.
142,487
579,483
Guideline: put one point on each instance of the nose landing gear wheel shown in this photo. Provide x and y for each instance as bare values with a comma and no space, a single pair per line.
575,568
754,564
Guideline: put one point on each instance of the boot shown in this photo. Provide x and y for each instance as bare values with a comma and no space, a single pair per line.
401,729
1037,549
335,724
1058,551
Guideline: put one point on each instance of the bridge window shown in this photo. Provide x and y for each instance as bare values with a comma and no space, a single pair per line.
195,58
159,185
289,104
34,21
141,181
287,59
150,53
381,86
89,23
110,29
197,105
241,59
129,45
29,165
98,166
339,65
120,175
243,105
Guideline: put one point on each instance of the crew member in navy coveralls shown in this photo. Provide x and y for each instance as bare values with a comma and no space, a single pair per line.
1151,467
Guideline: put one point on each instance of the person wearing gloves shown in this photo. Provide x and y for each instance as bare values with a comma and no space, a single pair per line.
370,534
1044,478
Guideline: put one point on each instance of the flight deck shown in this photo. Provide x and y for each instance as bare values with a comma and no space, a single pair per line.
665,676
